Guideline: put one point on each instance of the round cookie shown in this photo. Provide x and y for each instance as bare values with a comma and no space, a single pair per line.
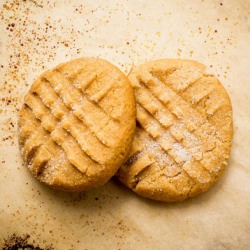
77,124
184,130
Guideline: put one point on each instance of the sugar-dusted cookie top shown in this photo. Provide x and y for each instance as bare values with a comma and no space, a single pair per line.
184,132
77,124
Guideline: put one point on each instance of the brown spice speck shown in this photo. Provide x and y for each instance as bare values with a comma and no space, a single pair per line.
5,6
16,242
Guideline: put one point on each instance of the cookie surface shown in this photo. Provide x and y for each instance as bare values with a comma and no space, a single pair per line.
184,132
77,124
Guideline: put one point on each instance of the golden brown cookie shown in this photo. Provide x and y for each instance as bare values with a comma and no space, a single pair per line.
184,132
77,124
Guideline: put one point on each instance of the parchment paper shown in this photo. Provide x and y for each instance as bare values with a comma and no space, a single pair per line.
37,35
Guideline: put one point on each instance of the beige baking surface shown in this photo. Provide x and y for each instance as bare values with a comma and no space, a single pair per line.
36,36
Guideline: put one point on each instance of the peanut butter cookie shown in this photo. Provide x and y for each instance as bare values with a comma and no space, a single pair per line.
77,124
184,132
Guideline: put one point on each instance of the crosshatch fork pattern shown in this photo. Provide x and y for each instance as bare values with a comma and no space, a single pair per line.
178,138
57,125
71,119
